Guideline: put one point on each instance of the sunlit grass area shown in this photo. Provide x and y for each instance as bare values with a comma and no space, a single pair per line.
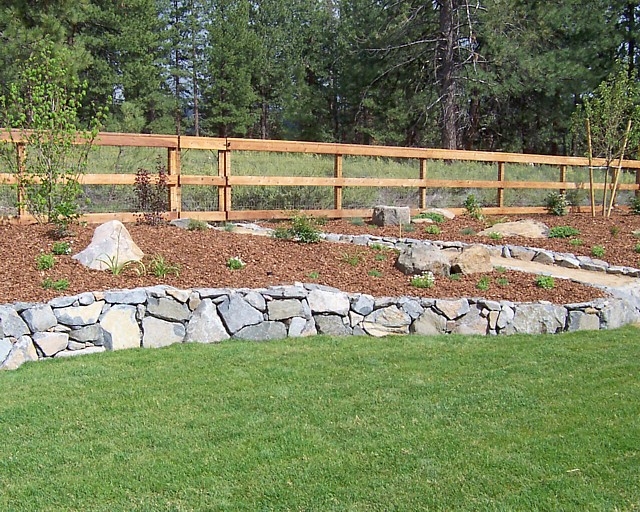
405,423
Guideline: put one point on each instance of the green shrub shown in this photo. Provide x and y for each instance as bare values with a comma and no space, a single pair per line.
433,230
380,257
556,204
502,281
576,242
563,232
495,236
351,259
314,275
634,203
484,283
61,248
438,218
235,263
159,267
357,221
374,273
59,285
545,282
597,251
467,231
45,261
614,230
197,225
455,277
303,229
424,280
637,248
473,207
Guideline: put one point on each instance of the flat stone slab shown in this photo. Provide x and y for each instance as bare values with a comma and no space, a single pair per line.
527,228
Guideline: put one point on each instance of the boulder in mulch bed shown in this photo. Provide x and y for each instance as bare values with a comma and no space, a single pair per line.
111,245
422,258
472,260
391,215
526,228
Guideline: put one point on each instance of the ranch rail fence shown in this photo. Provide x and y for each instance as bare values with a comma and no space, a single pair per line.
225,180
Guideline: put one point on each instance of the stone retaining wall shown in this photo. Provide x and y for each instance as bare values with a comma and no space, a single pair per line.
158,316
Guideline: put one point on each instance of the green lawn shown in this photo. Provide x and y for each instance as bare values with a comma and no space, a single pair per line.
407,423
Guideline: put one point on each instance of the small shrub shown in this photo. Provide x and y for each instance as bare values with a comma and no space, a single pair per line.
61,248
377,247
500,269
455,277
637,248
159,267
374,273
614,230
380,257
314,275
556,204
151,195
483,284
502,281
59,285
229,227
597,251
473,207
545,282
634,204
467,231
495,236
45,261
357,221
197,225
351,259
433,230
576,242
494,221
235,263
636,234
303,229
424,280
407,227
563,232
438,218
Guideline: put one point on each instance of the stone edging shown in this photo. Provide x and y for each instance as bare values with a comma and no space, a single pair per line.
159,316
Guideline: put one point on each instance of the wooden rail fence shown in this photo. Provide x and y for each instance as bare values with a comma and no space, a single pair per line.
224,180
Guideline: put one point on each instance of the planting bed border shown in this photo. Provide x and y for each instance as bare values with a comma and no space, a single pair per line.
158,316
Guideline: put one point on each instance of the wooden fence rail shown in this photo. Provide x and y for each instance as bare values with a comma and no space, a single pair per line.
224,180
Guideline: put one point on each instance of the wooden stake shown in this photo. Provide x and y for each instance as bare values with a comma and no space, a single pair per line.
592,194
614,188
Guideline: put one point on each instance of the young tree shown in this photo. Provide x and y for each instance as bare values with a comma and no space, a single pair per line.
49,153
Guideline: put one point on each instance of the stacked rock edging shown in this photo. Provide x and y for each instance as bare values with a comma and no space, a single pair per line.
159,316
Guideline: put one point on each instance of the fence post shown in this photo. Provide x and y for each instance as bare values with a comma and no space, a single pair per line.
500,189
224,191
175,191
563,178
423,190
22,211
337,190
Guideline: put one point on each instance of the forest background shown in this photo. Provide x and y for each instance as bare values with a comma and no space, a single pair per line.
487,74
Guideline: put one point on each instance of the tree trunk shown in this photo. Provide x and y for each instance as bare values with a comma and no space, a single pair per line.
445,73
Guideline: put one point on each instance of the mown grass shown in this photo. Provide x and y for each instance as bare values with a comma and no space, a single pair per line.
413,423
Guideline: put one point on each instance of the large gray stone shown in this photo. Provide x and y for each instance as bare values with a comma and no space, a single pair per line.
89,333
256,300
471,323
11,325
5,348
299,327
168,309
617,313
121,330
236,313
332,325
391,215
323,301
158,333
205,325
537,319
136,296
81,352
263,331
429,323
51,343
283,309
22,352
453,309
111,242
39,318
581,321
387,321
362,304
422,258
79,315
472,260
527,228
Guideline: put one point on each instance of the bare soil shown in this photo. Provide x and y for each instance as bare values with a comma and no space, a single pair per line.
202,257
